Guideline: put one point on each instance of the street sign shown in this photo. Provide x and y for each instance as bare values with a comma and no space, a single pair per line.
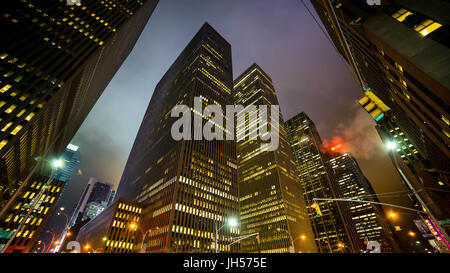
5,234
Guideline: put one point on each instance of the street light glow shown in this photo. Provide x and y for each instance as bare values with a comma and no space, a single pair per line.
392,214
391,145
232,222
133,226
57,163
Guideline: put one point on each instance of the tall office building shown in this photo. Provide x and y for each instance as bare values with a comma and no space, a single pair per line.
94,199
369,219
55,61
71,159
334,230
417,170
33,225
188,186
270,194
401,49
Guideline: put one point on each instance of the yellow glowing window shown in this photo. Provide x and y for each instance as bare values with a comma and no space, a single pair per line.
4,55
2,103
399,67
401,15
426,27
16,130
443,118
5,88
3,143
13,60
446,133
10,109
29,117
6,126
22,65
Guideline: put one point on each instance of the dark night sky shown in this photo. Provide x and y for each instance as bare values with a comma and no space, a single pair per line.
280,36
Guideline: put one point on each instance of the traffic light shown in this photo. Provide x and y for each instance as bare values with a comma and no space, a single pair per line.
373,105
317,212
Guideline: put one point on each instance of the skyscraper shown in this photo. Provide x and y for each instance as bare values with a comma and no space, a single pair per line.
71,159
56,59
189,186
271,198
334,230
401,50
369,219
23,240
95,197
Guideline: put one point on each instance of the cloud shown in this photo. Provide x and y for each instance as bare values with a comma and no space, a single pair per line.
357,135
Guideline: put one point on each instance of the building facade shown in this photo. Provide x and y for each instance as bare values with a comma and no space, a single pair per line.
34,224
401,50
270,194
56,59
96,194
115,230
334,230
369,219
189,186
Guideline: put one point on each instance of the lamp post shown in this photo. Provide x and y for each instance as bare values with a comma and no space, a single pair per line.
65,230
232,222
391,145
133,226
55,164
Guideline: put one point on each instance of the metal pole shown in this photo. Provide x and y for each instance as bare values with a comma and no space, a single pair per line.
215,243
422,203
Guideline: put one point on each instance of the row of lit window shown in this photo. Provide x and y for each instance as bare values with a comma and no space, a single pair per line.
424,28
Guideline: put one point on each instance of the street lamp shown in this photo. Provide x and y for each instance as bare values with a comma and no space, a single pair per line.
391,145
393,215
232,222
55,164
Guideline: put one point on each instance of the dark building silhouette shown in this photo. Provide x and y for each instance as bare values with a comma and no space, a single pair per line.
334,230
271,197
188,186
55,60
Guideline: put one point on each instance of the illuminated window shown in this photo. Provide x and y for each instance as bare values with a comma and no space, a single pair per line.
3,143
29,117
426,27
21,113
16,130
401,15
443,118
10,109
5,88
6,126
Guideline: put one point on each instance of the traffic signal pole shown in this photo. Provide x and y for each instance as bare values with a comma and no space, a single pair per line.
381,203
